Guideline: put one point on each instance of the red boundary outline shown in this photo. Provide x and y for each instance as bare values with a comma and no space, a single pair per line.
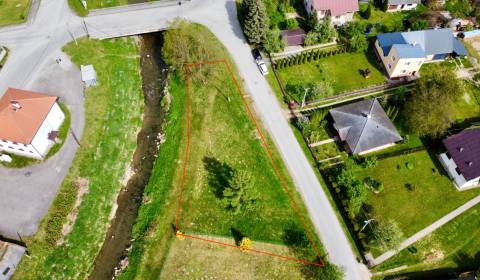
270,155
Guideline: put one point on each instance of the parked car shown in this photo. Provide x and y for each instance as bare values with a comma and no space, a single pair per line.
258,59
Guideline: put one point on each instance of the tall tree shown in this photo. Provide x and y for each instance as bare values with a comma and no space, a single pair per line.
429,110
255,24
240,193
387,235
352,35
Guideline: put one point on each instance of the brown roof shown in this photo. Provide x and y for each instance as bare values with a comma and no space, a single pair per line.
22,113
294,37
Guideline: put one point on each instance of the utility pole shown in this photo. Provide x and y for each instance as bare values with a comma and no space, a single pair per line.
304,97
366,223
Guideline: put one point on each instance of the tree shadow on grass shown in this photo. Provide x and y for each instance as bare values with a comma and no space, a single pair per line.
219,174
237,235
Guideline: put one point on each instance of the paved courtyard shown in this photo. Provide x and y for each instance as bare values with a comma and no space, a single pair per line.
26,194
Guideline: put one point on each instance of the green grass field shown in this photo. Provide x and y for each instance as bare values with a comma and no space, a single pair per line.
113,111
221,135
343,71
13,11
453,247
413,209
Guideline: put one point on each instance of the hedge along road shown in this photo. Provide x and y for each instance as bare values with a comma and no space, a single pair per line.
55,25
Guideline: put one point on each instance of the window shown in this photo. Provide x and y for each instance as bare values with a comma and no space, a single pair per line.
389,66
30,152
404,71
448,155
393,58
407,63
10,147
21,149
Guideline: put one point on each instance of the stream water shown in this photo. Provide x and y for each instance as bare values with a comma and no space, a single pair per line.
118,238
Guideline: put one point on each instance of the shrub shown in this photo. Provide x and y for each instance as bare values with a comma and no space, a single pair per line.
373,184
292,23
410,166
370,162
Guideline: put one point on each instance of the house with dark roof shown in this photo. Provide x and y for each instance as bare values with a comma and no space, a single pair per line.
29,122
340,11
403,53
364,127
402,5
462,158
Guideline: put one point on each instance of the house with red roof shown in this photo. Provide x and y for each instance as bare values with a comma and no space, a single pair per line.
340,11
462,158
29,122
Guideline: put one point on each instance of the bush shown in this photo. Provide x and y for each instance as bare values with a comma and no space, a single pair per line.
370,162
410,166
273,41
373,184
292,23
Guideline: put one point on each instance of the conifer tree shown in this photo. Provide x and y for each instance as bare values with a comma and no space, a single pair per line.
255,24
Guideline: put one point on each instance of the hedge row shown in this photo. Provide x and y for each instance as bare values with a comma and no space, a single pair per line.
308,56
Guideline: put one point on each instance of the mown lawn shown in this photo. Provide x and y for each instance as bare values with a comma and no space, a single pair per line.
113,112
222,137
77,6
454,246
13,11
342,71
413,198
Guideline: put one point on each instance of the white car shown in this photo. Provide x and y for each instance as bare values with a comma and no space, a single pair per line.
263,67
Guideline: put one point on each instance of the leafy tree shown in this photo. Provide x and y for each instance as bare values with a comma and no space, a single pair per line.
353,188
321,31
182,47
460,8
273,41
255,24
429,110
420,25
387,235
352,35
368,12
240,193
392,24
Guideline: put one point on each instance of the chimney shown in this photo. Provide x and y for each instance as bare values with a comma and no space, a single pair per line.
470,163
460,149
15,105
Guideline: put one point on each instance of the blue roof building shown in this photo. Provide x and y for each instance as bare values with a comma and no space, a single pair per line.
401,52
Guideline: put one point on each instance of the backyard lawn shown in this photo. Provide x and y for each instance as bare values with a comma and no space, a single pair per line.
414,198
113,111
13,11
453,246
342,71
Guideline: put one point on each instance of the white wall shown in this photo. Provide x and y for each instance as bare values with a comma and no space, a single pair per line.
460,182
398,8
397,67
52,123
19,149
340,20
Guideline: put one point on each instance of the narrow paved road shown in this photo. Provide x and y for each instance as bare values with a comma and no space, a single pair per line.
426,231
49,33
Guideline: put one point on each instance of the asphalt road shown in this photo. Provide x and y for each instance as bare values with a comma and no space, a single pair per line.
55,24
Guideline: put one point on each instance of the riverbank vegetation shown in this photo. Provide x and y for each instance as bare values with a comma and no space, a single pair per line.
67,242
225,150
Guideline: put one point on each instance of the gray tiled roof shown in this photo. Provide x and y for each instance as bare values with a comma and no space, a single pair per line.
464,148
364,125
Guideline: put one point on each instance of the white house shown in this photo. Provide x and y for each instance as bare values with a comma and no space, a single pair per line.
402,5
340,11
29,123
462,159
403,53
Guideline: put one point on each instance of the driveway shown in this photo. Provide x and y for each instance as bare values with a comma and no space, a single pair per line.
26,194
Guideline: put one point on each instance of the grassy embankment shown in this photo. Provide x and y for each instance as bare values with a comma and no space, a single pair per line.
452,247
113,112
222,137
14,11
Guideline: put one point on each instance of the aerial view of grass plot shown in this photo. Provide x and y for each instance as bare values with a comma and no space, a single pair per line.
233,184
13,11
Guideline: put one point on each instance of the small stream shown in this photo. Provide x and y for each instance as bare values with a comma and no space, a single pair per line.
117,240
